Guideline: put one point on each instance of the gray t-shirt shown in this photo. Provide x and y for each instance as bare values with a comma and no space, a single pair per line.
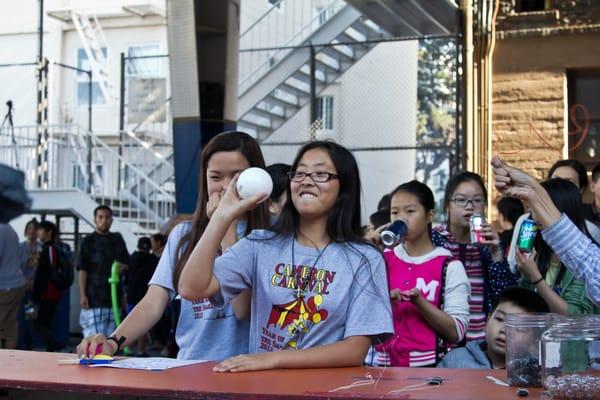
203,331
11,276
30,255
346,291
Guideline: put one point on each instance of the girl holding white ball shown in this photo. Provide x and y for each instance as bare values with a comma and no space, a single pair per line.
203,332
314,280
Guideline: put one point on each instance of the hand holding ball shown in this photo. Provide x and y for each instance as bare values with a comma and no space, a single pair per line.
253,181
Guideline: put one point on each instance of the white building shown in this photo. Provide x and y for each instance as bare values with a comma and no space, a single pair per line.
371,107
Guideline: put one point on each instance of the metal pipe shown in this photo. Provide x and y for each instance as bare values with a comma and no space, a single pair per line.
313,85
459,163
41,31
39,171
89,136
467,9
121,118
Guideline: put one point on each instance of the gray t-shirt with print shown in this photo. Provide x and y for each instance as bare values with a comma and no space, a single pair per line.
203,331
303,297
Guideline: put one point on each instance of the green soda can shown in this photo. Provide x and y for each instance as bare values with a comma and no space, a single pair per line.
527,234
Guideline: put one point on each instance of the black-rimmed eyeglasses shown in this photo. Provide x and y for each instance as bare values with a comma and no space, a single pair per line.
462,202
316,176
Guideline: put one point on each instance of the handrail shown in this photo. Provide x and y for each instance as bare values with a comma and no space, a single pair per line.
329,10
130,166
273,7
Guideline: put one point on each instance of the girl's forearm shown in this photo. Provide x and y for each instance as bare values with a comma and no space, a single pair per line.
197,280
346,353
555,302
144,316
441,322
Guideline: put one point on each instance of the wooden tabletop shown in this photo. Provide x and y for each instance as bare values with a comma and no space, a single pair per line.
39,371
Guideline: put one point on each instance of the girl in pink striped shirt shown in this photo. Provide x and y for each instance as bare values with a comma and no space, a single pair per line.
486,267
429,289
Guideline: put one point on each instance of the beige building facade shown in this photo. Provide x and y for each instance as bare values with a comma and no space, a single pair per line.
546,69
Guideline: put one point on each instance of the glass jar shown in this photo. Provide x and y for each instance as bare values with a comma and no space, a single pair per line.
571,358
523,358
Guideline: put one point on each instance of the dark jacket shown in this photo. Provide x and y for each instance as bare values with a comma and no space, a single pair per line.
141,268
43,289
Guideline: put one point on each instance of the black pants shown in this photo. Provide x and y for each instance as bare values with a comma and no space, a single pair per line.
44,321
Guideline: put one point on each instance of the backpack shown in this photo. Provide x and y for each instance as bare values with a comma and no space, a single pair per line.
62,274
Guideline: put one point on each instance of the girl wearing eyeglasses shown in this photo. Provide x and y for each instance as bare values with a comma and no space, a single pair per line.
319,292
486,267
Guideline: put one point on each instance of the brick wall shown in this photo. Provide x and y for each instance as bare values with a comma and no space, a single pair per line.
521,99
564,15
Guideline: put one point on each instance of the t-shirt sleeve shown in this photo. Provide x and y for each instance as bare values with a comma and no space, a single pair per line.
81,257
456,296
369,310
163,275
122,254
235,268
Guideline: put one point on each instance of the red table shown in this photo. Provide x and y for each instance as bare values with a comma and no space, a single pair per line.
26,374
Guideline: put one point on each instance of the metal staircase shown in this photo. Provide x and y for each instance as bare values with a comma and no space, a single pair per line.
277,86
93,40
141,205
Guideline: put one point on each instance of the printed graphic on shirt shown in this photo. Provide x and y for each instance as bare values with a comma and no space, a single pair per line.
289,322
203,309
428,290
292,277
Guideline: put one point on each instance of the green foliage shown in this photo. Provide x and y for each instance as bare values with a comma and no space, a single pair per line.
436,106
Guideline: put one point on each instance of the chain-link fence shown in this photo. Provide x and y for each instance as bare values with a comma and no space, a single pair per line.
393,102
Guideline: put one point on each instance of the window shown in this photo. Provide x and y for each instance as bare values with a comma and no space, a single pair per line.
324,14
325,111
584,111
143,67
99,172
78,178
532,5
83,82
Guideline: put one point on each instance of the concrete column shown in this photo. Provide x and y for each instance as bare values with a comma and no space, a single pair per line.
203,48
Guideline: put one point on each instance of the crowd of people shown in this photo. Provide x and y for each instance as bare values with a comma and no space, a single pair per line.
32,310
295,281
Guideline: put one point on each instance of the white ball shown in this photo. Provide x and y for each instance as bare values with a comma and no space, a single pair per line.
253,181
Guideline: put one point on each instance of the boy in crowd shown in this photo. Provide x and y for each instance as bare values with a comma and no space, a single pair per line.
491,352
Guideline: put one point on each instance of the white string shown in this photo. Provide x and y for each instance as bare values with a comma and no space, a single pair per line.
414,388
363,382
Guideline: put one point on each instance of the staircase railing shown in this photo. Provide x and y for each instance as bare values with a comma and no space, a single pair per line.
153,159
286,24
142,201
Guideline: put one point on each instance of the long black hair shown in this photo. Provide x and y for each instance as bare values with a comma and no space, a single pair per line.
567,199
257,218
344,222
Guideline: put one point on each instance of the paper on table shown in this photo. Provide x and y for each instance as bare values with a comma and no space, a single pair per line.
149,363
